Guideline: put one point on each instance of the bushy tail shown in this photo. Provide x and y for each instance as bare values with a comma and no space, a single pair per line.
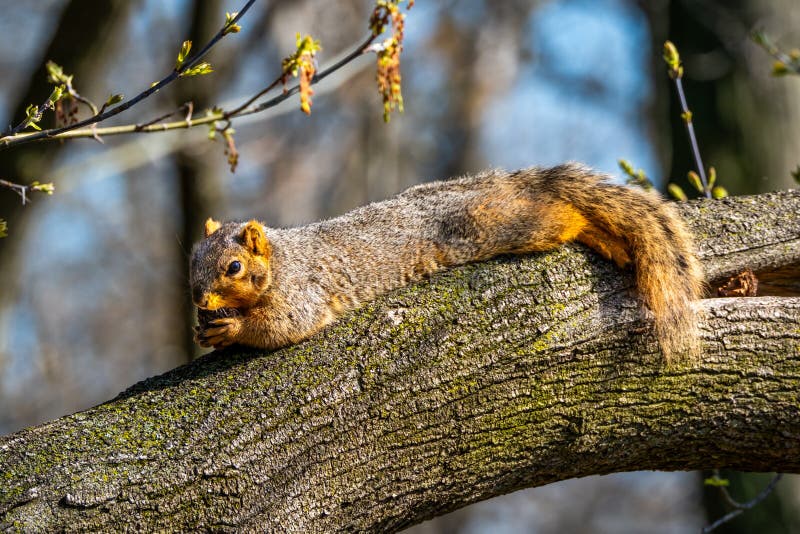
668,274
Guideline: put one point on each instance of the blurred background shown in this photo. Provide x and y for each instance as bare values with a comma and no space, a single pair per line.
94,294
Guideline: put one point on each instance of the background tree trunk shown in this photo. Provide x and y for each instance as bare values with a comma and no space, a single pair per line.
74,45
488,378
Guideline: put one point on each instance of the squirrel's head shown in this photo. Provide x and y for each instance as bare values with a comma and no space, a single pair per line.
230,267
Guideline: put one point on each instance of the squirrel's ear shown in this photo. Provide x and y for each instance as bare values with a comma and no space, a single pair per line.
212,226
254,239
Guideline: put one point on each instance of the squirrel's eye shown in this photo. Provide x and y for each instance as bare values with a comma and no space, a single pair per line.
234,268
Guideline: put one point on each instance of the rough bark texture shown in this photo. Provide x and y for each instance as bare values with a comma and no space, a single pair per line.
488,378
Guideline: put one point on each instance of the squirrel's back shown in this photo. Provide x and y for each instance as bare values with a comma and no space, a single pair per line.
323,269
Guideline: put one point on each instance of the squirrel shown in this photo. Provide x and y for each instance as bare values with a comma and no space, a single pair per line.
280,286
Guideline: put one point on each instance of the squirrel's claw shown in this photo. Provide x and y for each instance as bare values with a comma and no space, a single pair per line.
200,338
220,332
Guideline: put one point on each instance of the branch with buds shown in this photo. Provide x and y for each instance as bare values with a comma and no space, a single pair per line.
704,185
301,64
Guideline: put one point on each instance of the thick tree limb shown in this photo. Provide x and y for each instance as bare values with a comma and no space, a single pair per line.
496,376
760,232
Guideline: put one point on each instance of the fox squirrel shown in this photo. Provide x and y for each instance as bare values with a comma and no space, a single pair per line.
267,287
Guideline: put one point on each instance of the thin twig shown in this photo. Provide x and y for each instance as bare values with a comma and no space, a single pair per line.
686,115
6,141
19,189
85,101
24,190
675,71
186,106
235,112
30,119
96,136
358,51
189,106
132,153
785,61
738,507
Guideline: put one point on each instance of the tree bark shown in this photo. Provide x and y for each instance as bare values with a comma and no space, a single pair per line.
492,377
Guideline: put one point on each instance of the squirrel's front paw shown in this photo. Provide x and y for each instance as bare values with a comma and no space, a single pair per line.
219,332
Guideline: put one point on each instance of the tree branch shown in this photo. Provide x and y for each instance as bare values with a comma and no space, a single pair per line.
13,137
485,379
24,191
74,132
760,232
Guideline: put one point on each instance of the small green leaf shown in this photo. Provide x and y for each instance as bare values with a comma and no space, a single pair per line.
230,27
712,176
760,38
3,228
54,71
56,95
719,192
307,44
56,75
694,179
779,68
635,177
114,99
307,47
676,192
33,116
673,60
199,69
47,188
717,482
185,48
